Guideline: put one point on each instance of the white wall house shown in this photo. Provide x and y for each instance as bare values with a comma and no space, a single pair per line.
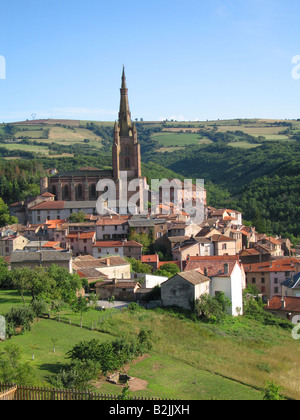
232,286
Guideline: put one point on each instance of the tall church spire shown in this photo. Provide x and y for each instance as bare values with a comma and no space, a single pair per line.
124,114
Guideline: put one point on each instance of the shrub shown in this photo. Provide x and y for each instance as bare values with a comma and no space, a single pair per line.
22,316
272,392
212,309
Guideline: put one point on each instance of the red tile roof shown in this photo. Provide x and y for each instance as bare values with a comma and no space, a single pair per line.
51,244
149,258
216,258
221,238
50,205
212,268
47,194
291,304
286,264
113,221
81,235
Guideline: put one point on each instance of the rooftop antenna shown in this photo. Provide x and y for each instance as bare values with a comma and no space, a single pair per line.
33,115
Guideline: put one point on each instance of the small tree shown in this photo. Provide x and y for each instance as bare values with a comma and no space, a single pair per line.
112,300
81,305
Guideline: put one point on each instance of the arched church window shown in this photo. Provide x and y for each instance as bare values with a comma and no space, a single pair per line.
93,191
54,191
79,192
66,192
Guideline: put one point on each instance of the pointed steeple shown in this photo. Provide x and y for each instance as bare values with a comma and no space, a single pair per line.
123,79
124,114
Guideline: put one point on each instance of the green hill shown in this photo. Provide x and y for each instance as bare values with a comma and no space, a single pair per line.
189,359
238,159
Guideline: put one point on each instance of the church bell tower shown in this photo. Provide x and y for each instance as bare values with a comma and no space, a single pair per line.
126,149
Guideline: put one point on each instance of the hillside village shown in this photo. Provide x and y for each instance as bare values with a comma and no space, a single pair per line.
218,255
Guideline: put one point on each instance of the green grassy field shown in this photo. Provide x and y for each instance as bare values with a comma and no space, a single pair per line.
177,139
174,134
189,360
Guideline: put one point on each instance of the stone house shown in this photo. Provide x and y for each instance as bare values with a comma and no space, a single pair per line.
130,249
41,258
106,268
81,242
121,289
184,289
8,244
268,276
195,247
223,245
114,227
291,286
273,244
285,307
151,260
226,274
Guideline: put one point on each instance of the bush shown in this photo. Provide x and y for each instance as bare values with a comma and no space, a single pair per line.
111,356
272,392
22,316
40,307
253,309
212,309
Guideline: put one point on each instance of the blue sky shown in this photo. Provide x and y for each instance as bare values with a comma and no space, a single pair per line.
186,60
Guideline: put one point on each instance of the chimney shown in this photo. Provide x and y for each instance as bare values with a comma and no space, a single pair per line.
283,303
226,268
115,281
107,262
205,271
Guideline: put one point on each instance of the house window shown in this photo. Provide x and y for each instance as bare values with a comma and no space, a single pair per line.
263,280
99,250
263,289
253,280
276,280
116,249
224,247
276,290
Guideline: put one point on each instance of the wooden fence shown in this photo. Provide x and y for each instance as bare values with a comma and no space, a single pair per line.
30,393
8,394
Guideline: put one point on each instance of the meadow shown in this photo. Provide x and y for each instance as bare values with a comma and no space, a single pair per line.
172,136
189,360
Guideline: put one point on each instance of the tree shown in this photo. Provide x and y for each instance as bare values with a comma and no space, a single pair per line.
137,266
12,369
66,284
212,309
168,270
79,217
21,280
82,304
5,218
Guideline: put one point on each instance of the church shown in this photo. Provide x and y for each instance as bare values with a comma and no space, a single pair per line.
83,185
